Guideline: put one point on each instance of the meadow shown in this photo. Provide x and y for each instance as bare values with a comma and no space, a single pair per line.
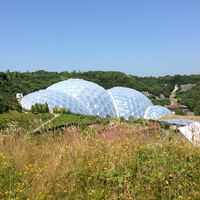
80,120
26,121
119,160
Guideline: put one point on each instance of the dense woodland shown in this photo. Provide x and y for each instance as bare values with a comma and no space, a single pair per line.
27,82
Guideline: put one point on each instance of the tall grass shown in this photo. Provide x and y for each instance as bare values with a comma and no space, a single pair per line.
24,120
137,163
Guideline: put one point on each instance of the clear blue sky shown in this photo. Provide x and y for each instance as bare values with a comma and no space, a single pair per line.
141,37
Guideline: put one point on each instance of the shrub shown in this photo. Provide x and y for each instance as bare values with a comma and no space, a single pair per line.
61,110
178,112
3,106
197,109
161,102
40,108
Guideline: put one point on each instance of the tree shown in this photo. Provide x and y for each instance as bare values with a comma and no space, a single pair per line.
197,109
40,108
3,106
46,108
36,108
33,109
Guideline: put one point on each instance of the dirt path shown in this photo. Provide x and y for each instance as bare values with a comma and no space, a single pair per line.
172,97
42,125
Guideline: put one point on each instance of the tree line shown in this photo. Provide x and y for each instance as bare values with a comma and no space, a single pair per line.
27,82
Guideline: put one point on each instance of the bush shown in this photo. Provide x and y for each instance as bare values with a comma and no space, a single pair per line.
178,111
161,102
40,108
197,109
61,110
3,106
191,98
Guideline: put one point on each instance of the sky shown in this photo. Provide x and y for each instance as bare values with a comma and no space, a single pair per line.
139,37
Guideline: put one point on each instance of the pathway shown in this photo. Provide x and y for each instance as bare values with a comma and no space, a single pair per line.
42,125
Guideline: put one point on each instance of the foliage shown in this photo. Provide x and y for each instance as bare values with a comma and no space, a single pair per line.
24,120
40,108
61,110
178,111
197,109
140,163
27,82
3,106
161,102
70,118
191,98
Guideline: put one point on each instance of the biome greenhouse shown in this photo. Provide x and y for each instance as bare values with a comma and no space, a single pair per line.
85,97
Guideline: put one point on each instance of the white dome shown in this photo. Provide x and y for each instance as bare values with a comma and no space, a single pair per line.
156,112
129,102
54,99
93,96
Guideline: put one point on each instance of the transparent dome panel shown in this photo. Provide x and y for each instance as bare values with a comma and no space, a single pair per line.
156,112
54,99
129,103
93,96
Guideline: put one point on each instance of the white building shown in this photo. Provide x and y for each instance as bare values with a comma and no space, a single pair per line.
19,96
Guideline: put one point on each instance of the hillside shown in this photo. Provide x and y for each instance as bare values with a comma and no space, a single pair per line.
119,160
26,121
191,98
86,157
157,88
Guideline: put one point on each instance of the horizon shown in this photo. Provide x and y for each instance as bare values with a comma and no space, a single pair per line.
138,38
77,71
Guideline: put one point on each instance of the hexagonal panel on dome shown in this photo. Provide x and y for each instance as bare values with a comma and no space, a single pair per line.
93,96
54,99
129,102
156,112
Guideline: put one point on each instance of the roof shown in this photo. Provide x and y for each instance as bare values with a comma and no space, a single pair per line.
191,132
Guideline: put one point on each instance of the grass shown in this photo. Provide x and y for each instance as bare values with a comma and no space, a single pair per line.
140,162
23,120
77,119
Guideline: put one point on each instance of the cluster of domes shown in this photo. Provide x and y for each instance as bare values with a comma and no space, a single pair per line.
84,97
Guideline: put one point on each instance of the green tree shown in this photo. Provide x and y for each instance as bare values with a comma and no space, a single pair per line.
46,108
197,109
37,108
3,106
33,109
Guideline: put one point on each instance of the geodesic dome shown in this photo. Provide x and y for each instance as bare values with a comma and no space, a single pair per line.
93,96
156,112
84,97
129,103
54,99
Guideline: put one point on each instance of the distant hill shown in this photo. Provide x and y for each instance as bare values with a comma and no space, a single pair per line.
156,88
191,98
